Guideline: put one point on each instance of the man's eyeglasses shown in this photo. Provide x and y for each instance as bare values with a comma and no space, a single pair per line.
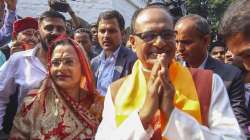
148,36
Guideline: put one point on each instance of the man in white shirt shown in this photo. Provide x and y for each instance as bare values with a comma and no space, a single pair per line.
153,39
27,69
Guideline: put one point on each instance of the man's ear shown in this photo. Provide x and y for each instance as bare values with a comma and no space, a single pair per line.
132,42
207,40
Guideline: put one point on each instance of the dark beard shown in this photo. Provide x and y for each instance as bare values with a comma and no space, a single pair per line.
44,45
47,41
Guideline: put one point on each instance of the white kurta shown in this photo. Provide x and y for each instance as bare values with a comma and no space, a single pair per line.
23,70
181,126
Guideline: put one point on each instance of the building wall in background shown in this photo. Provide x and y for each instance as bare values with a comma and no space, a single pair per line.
86,9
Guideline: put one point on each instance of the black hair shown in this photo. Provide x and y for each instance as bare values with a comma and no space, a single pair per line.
93,25
83,30
51,14
236,19
217,43
110,15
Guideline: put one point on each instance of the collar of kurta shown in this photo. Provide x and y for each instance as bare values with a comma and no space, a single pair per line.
132,92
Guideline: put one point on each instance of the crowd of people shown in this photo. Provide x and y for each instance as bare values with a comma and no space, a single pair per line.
157,80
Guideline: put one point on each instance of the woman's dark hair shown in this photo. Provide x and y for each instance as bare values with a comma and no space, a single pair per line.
110,15
236,19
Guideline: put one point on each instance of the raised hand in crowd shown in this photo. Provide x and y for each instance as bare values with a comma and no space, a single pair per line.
161,92
75,19
11,4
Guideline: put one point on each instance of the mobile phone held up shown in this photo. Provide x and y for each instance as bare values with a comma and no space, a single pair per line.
59,5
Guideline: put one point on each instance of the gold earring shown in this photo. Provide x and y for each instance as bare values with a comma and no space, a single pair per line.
83,82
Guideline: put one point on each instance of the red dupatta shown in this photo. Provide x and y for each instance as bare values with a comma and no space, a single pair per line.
83,61
88,85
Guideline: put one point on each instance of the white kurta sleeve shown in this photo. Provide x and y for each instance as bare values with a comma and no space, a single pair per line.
221,120
7,85
130,129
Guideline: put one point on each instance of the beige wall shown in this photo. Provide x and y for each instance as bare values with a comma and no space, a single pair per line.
86,9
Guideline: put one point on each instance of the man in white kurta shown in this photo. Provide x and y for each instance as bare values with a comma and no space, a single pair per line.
222,124
27,69
181,126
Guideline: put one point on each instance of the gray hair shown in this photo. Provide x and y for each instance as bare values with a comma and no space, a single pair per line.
236,19
200,23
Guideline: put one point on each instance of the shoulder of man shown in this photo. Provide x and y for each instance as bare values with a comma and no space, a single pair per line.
115,86
227,72
128,52
19,56
95,61
129,56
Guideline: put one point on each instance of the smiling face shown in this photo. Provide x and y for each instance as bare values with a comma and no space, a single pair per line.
50,28
65,67
154,21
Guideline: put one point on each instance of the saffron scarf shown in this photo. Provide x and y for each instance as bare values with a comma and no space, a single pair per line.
132,93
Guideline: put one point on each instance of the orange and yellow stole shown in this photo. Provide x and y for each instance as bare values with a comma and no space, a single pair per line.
132,93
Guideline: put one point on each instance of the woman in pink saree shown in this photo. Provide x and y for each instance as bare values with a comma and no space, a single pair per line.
67,105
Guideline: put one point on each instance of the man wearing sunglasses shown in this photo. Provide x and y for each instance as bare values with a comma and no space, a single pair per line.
192,41
162,99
